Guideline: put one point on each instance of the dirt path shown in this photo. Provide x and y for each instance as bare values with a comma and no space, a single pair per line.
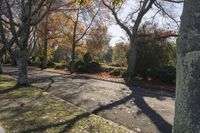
140,109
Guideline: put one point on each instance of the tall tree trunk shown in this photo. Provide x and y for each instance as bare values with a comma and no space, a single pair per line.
1,55
22,59
132,59
187,107
45,50
22,69
1,70
73,58
74,42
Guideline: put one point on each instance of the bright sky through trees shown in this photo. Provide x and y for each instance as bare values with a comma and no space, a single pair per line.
118,35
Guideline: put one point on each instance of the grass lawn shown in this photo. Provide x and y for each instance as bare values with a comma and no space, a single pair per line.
29,109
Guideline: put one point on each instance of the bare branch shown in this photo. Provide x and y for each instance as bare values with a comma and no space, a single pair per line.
88,26
117,19
175,1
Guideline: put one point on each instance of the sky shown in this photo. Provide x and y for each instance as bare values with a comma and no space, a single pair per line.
118,34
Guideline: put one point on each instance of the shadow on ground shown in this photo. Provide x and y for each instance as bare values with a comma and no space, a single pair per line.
136,96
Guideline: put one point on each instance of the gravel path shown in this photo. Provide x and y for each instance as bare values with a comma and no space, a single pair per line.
139,109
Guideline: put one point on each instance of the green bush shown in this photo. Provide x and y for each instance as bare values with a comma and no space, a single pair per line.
115,72
164,74
154,54
78,64
91,67
94,67
87,58
37,61
116,64
83,67
107,69
50,64
86,65
124,74
60,65
119,54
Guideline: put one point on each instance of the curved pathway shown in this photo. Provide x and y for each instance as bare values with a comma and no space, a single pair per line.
139,109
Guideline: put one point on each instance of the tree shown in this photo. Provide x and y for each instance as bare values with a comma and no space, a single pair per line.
97,41
107,55
120,54
154,52
187,107
18,17
81,14
2,52
54,29
131,25
45,41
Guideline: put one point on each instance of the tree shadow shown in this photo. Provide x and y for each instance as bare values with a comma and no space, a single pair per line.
161,124
68,124
137,96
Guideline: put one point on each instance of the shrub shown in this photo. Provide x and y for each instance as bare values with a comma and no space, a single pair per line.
89,67
154,54
82,69
93,67
86,65
164,74
107,69
50,64
124,74
78,64
119,54
87,58
69,66
59,65
115,72
116,64
37,61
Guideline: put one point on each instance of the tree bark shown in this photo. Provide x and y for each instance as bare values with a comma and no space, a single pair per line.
187,107
1,55
21,59
73,58
1,70
132,60
22,69
45,50
74,43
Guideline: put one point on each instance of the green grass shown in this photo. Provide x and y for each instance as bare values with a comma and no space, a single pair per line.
6,77
6,81
29,109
